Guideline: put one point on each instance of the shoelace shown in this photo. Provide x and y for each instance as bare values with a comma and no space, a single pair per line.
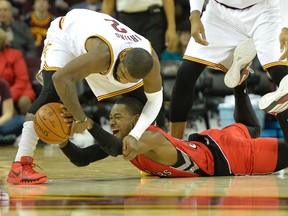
29,167
248,68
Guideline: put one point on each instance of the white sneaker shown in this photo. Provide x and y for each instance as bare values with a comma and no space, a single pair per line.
277,101
243,56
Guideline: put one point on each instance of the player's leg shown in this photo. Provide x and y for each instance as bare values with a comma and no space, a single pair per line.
277,101
22,171
183,96
266,38
242,57
244,112
282,161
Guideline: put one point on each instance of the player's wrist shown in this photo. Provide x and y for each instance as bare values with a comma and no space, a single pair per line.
81,121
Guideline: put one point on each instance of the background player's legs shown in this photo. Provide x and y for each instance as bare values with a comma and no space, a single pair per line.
183,96
277,73
244,112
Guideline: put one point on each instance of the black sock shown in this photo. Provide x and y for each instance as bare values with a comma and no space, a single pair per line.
244,112
283,121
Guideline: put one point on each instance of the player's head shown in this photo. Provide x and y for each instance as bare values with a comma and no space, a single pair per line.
134,64
124,115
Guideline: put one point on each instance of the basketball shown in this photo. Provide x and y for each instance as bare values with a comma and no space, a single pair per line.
49,125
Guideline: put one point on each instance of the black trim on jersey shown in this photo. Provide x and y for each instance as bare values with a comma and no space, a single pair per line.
221,165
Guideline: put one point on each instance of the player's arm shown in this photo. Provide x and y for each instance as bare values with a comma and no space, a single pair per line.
154,146
106,144
82,156
170,34
197,28
96,60
283,38
148,142
154,93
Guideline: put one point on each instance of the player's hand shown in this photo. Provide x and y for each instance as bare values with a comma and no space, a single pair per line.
68,118
283,39
171,40
197,28
81,126
129,147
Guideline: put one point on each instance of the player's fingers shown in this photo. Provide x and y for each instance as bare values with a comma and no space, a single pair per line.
198,39
204,38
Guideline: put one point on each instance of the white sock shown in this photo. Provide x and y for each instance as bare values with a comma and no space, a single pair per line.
28,141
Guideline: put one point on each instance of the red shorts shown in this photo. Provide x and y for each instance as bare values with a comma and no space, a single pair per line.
244,154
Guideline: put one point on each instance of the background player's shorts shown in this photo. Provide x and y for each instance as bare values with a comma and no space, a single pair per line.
226,28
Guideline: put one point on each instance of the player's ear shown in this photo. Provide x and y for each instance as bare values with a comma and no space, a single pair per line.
135,118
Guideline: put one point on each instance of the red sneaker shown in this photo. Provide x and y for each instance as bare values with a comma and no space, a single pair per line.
22,173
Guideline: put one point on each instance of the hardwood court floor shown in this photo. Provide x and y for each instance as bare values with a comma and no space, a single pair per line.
114,187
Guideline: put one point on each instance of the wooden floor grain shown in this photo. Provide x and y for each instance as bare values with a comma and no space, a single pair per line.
114,187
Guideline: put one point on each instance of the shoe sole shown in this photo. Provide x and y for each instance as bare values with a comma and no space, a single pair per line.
244,53
277,101
26,182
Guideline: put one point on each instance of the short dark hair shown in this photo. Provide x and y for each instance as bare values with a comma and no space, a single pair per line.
133,105
138,62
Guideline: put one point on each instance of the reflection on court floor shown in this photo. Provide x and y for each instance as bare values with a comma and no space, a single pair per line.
114,187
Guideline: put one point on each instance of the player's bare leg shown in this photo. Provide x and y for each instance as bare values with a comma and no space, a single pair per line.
243,56
177,129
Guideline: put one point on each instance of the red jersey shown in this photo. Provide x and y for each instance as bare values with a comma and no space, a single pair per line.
201,158
227,151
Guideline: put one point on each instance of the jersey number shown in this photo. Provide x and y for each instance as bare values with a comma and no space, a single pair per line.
115,25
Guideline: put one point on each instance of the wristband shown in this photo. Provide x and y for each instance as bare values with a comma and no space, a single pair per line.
196,5
81,121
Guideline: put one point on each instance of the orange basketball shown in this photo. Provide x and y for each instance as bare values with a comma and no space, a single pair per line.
49,124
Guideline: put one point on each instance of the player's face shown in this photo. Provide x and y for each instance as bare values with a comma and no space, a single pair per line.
123,76
121,121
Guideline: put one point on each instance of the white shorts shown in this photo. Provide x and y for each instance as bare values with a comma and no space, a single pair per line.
56,53
226,28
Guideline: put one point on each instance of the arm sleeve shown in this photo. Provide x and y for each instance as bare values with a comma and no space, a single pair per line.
196,5
283,4
149,113
107,142
83,156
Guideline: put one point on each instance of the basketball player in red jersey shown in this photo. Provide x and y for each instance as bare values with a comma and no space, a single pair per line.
233,150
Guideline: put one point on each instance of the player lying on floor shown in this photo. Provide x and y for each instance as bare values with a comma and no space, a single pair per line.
233,150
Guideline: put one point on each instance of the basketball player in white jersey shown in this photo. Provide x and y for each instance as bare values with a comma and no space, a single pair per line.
113,59
253,26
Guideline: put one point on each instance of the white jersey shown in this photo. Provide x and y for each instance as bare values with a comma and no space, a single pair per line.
239,3
66,38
